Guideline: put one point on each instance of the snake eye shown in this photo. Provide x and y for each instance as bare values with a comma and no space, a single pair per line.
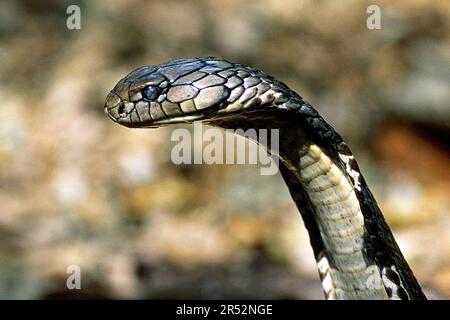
150,93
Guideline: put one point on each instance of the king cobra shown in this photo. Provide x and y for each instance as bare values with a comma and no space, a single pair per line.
356,253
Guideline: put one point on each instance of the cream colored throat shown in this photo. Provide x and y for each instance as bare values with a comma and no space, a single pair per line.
341,224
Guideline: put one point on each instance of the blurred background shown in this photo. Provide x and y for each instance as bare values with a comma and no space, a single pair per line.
77,189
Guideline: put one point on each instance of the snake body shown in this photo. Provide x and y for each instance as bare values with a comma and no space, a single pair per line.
356,253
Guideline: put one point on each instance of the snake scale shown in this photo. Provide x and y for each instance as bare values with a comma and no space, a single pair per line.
356,253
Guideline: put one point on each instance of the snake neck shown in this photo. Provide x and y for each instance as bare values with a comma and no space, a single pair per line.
356,253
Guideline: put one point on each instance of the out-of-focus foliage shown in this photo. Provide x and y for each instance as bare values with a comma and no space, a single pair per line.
77,189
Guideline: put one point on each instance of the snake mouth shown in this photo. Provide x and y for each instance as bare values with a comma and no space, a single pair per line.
186,119
142,114
206,115
132,118
106,110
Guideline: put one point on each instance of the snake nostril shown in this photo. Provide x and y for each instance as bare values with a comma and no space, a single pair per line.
122,111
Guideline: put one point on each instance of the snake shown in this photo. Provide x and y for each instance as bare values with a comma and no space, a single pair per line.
356,253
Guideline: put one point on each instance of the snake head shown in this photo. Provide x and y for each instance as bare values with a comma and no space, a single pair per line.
185,90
